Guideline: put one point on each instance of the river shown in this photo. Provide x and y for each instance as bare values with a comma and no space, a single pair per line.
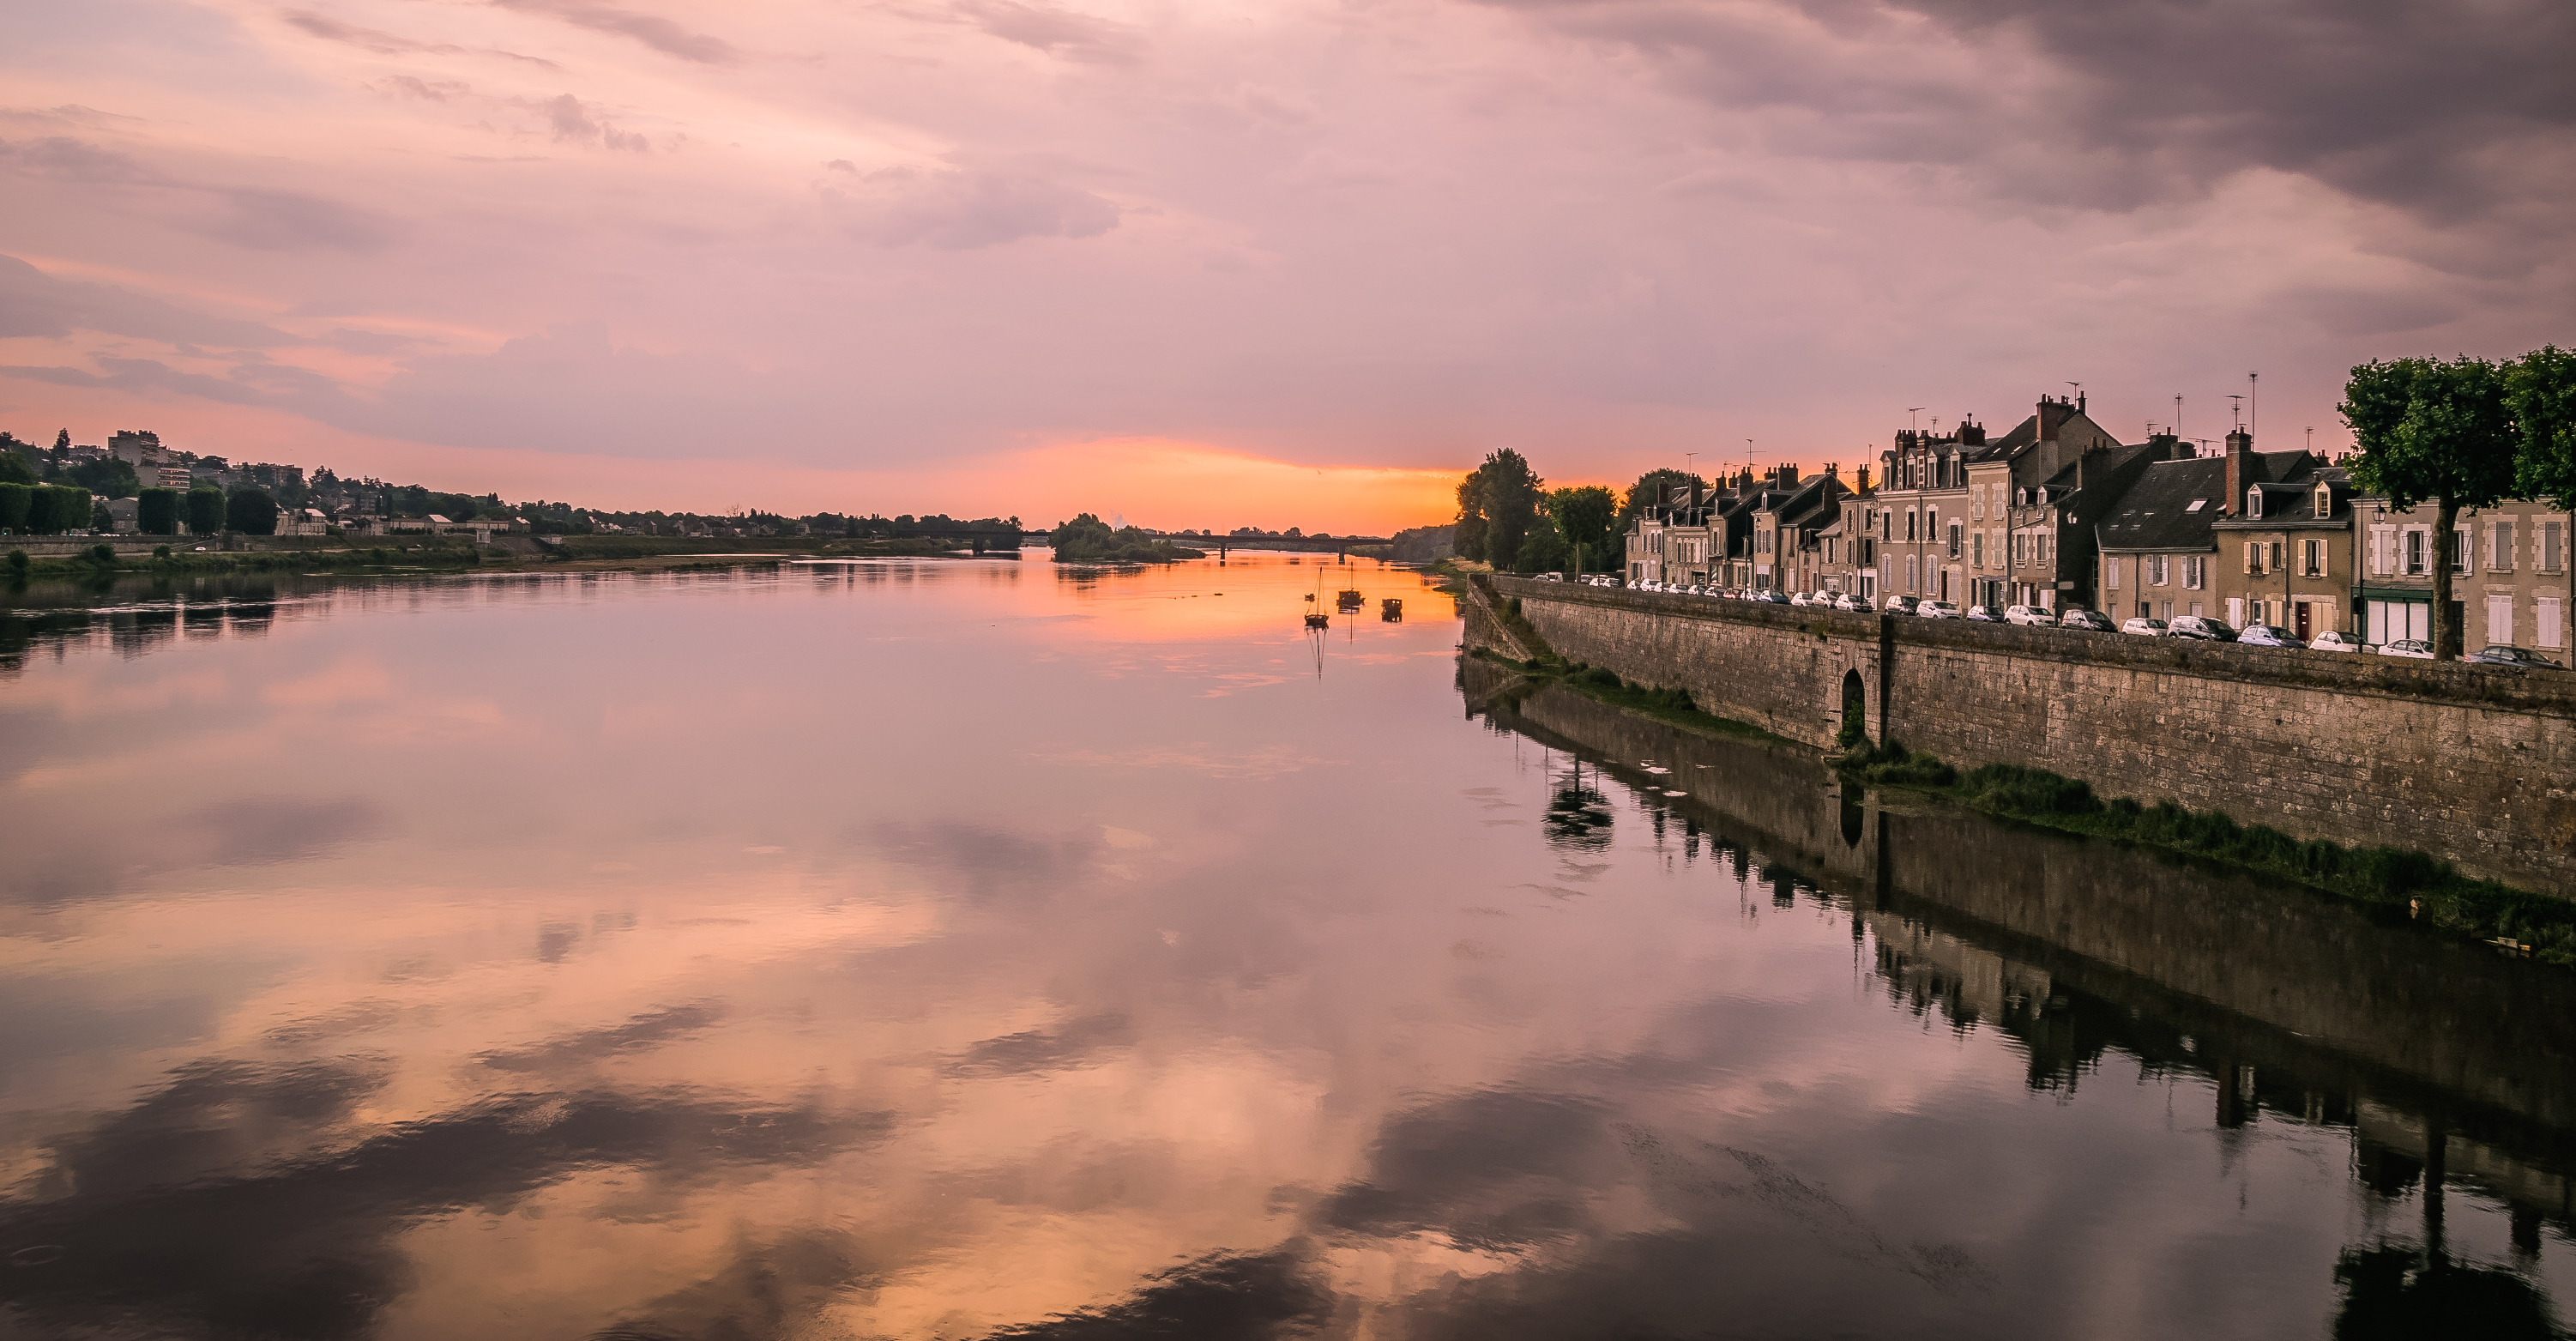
975,949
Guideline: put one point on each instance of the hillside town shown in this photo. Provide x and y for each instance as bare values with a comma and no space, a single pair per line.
2057,514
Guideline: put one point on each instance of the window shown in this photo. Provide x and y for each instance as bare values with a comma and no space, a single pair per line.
2254,501
2325,502
2272,558
2415,552
2500,619
1909,523
2195,572
2021,549
1913,572
2463,545
2547,559
2254,557
2236,611
2111,574
1981,549
1954,540
2312,558
2549,619
2155,569
2500,556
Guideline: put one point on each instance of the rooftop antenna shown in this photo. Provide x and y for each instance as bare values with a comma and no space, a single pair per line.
2253,401
2079,389
1910,412
2237,411
2177,414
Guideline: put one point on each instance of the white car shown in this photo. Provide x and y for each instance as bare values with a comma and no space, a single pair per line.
2334,640
2029,615
1936,610
2267,635
2408,647
1899,605
2144,627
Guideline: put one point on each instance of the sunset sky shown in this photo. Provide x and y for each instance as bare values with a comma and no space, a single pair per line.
1233,262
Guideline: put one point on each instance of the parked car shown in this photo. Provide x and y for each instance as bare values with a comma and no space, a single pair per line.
2408,647
1936,610
2267,635
1767,597
2498,654
1797,598
2090,621
1858,605
2334,640
2027,615
1899,605
2144,627
1982,614
1551,577
2201,628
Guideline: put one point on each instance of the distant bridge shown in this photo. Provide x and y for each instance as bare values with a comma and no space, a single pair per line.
1339,545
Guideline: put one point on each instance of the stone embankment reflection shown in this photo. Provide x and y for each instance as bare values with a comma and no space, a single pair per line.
2437,1057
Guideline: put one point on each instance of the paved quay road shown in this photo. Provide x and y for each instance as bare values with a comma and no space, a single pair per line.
983,948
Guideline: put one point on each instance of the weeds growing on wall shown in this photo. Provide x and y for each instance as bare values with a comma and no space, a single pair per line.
2430,888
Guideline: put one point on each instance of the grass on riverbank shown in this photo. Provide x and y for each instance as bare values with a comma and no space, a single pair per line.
2434,892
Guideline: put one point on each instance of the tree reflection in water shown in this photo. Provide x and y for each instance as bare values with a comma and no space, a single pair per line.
1578,815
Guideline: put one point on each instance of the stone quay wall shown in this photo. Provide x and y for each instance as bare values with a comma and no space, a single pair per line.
2473,763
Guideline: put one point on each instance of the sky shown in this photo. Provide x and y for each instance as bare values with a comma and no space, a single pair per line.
1237,263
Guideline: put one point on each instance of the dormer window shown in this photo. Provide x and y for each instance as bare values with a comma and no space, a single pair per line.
2325,503
2254,501
2021,498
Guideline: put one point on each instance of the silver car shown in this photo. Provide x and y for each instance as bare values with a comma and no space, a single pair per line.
2267,635
2144,627
2408,647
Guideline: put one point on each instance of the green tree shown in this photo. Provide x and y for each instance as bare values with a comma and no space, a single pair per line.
18,563
1543,550
156,511
205,510
2440,430
1583,516
1469,538
1510,491
15,467
107,477
251,512
16,501
1654,489
2540,393
55,509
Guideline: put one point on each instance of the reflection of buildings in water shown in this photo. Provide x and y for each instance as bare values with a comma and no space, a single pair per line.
2442,1070
1927,969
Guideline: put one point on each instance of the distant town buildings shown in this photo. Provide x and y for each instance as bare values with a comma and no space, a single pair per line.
2058,513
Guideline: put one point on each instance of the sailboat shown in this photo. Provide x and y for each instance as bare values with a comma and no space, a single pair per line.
1316,618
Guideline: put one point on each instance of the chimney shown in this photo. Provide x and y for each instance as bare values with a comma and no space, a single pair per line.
2239,443
1864,477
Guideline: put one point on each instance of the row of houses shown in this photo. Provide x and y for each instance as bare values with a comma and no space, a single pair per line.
2059,513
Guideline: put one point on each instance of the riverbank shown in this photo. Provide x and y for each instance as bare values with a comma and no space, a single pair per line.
439,554
2420,884
2428,888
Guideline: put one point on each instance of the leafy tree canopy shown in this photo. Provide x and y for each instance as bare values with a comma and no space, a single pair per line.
1654,489
2540,393
1583,516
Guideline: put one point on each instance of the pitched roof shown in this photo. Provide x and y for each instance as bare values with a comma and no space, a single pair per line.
2174,503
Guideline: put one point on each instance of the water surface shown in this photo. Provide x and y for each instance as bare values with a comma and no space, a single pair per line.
970,949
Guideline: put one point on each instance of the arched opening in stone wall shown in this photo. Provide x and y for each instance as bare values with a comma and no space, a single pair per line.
1855,728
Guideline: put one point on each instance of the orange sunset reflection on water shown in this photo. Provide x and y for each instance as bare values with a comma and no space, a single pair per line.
938,949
